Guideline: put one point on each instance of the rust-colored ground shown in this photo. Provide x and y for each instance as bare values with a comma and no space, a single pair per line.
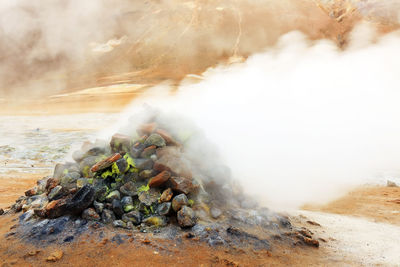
379,203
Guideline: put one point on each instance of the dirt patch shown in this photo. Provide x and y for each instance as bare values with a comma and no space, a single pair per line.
379,203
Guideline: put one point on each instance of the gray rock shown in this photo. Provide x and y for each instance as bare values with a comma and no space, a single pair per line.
98,207
107,216
164,208
26,216
186,217
156,140
56,193
136,150
391,184
129,189
215,213
122,165
127,203
119,223
149,197
117,207
134,216
143,164
179,201
90,214
101,192
113,195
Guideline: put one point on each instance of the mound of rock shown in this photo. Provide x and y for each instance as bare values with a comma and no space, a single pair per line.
150,180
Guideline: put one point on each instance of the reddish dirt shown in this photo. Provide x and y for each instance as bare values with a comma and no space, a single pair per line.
380,203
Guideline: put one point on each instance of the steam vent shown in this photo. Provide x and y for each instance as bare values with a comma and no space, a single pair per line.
160,181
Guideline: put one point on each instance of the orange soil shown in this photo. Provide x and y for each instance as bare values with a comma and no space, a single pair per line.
382,204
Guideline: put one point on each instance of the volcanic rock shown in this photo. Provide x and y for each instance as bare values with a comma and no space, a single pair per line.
105,163
81,200
148,151
120,143
144,164
177,165
117,207
113,195
164,208
129,189
155,140
167,137
186,217
51,183
127,203
98,206
90,214
159,179
181,184
149,197
31,192
155,220
56,193
146,174
391,184
137,149
132,216
179,201
81,182
1,211
107,216
166,195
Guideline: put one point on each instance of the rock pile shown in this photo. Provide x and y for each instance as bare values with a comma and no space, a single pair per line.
125,183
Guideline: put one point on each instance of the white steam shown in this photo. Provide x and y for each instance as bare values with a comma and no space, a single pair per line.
301,122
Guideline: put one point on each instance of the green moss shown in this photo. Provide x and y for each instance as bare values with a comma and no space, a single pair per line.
143,188
146,211
90,181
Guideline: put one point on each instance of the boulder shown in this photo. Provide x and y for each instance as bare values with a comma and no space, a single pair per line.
90,214
127,203
166,195
149,197
144,164
129,189
107,216
155,220
117,207
120,143
164,208
179,201
155,140
81,200
98,206
133,216
148,151
159,179
113,195
186,217
181,184
56,193
105,163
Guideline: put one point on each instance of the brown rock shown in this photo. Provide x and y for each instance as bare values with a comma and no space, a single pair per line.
159,179
175,164
181,184
55,208
55,256
51,183
1,211
167,137
166,195
105,163
31,192
120,143
148,151
147,128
